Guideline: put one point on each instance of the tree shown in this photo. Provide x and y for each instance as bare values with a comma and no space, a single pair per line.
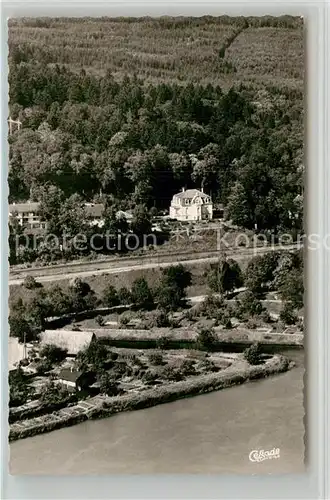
110,296
206,338
225,276
292,288
20,328
260,272
248,304
22,322
53,353
177,275
253,354
81,296
141,224
59,302
30,283
141,294
288,314
169,297
238,210
172,288
18,388
124,296
93,356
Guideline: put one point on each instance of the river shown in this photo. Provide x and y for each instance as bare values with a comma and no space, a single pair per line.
211,433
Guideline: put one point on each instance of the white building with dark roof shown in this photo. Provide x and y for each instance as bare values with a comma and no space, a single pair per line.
191,205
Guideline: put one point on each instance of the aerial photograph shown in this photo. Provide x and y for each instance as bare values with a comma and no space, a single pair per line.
155,245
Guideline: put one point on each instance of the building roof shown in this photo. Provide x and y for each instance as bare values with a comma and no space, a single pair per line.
24,207
69,374
191,193
71,340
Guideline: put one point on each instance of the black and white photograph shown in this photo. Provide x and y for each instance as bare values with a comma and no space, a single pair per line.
156,245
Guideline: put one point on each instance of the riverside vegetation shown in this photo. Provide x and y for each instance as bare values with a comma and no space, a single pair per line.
124,376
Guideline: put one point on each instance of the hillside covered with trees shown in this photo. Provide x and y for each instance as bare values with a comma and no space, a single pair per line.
128,111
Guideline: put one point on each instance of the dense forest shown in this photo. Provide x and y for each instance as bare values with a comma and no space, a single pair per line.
131,139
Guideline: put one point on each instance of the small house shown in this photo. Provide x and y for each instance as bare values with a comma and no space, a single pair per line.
76,380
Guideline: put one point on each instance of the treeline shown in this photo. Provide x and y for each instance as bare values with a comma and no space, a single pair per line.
141,143
28,318
165,21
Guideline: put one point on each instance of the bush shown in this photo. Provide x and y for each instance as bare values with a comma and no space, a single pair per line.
156,358
265,316
150,376
208,366
108,385
212,307
253,354
187,367
53,394
100,320
206,338
43,366
288,314
141,293
30,283
171,374
125,318
224,318
163,342
110,296
161,318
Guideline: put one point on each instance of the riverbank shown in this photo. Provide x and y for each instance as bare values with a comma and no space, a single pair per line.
101,407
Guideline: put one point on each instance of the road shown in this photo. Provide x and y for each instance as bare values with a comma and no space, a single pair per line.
116,268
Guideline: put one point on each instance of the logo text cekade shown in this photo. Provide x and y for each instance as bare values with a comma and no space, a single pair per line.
261,455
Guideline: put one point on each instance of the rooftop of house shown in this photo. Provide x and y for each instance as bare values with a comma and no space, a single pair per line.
73,341
69,374
191,193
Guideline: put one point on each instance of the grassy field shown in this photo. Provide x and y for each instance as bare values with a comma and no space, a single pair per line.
205,50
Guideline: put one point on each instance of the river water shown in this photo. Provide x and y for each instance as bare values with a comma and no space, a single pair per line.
211,433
